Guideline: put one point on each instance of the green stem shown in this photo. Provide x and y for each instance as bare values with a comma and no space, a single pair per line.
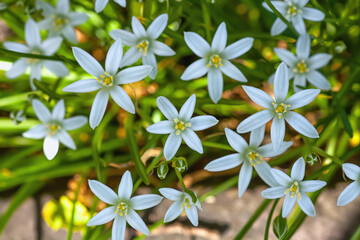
179,176
356,234
268,222
69,235
207,19
324,154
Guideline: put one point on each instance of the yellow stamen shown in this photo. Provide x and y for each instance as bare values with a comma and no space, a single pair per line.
143,47
121,209
216,61
301,67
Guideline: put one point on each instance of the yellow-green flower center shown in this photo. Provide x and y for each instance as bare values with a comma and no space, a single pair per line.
59,21
301,67
294,190
280,109
122,209
52,128
106,79
143,47
33,60
254,158
180,126
186,203
215,61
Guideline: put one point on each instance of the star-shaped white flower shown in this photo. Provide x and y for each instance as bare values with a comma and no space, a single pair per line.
353,190
280,109
294,189
250,155
295,12
143,43
215,60
183,202
107,81
180,126
101,4
35,46
60,21
54,127
304,67
123,207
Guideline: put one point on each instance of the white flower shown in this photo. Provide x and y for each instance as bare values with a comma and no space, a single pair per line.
60,21
101,4
123,206
35,46
54,127
250,155
215,59
143,42
353,190
180,126
107,81
183,202
294,188
295,12
302,67
18,116
280,109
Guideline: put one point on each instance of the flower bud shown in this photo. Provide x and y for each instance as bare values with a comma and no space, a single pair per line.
162,170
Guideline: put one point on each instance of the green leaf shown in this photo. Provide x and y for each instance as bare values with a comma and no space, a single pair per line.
280,227
345,120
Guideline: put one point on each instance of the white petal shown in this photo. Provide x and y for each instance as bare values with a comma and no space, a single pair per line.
255,121
288,205
167,108
173,212
313,14
302,98
41,111
172,145
259,96
103,192
121,2
32,33
157,26
301,124
162,127
150,60
74,122
274,192
281,177
36,132
278,27
268,149
349,194
58,68
130,57
219,41
318,80
98,107
352,171
127,38
192,215
118,228
233,72
202,122
195,70
257,136
299,81
59,110
298,170
197,44
77,18
88,62
126,186
303,43
122,99
187,109
136,222
100,5
279,5
85,85
145,201
238,48
66,139
51,45
244,177
277,132
236,141
138,28
113,57
51,147
63,6
264,171
36,72
69,34
224,163
311,185
215,84
192,140
299,25
133,74
104,216
281,82
17,69
319,60
286,56
161,49
302,3
171,194
16,47
306,205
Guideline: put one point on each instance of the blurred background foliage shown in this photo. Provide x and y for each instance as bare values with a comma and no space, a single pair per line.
108,151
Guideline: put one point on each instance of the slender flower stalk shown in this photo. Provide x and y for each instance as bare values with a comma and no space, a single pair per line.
182,203
215,60
60,21
180,125
280,109
352,191
294,189
35,46
250,155
123,207
107,81
101,4
143,43
54,127
295,12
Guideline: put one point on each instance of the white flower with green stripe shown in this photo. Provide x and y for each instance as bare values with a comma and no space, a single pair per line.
123,207
180,125
54,127
101,4
352,191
